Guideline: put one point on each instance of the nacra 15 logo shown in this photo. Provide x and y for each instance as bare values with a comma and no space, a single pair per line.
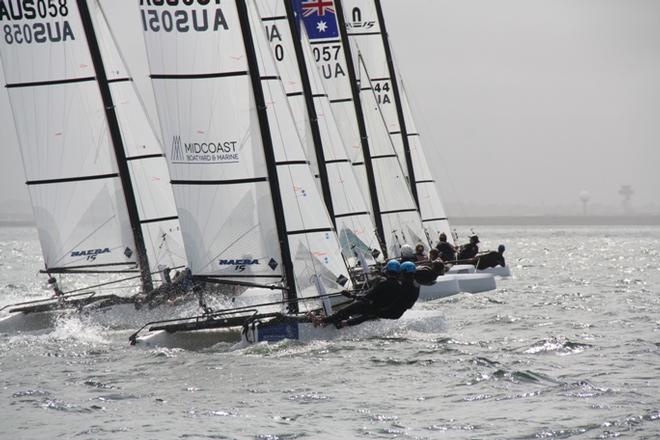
90,254
239,265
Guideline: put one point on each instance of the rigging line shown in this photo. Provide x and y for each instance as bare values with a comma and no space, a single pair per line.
85,238
239,238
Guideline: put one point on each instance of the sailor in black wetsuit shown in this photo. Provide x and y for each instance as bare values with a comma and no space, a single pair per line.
446,249
469,250
376,303
409,292
492,259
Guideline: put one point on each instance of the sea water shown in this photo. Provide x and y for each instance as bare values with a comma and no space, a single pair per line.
568,348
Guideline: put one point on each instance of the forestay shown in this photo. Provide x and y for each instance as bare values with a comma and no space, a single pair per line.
351,213
71,163
368,36
219,157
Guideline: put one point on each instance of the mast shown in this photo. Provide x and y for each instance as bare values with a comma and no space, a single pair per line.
311,110
361,125
271,166
397,102
117,143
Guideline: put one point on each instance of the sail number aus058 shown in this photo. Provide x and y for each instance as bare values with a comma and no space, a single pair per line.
41,31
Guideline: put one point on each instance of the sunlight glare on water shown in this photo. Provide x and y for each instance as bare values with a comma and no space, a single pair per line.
568,348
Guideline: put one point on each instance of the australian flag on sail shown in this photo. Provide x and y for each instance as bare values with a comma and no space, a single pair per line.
319,17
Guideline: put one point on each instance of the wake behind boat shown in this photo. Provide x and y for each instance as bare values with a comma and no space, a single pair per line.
95,171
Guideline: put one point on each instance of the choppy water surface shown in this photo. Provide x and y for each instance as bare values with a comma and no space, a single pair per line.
569,348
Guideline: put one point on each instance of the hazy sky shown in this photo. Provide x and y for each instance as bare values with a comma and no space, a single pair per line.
519,102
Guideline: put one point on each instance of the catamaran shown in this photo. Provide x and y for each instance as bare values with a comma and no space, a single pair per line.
263,203
97,178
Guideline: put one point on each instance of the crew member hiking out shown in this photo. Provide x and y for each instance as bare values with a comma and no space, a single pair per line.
492,259
377,302
409,292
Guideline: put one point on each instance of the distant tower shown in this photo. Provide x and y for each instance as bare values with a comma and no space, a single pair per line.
626,192
584,197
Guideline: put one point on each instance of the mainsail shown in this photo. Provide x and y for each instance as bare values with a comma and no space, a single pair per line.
368,36
395,213
97,180
249,206
318,128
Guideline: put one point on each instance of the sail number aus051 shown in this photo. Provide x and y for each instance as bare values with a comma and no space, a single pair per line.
37,29
181,20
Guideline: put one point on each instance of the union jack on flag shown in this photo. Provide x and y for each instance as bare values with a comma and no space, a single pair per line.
319,18
318,7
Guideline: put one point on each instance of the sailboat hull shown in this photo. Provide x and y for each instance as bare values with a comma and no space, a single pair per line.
26,322
278,330
498,271
453,284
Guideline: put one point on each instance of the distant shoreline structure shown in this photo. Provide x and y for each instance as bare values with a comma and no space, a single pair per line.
16,223
530,220
560,220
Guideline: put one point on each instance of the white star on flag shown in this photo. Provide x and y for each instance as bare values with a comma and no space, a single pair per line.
322,26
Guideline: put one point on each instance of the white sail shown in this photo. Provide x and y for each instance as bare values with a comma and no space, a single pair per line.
218,161
209,126
314,246
397,210
434,216
351,212
401,219
148,168
67,153
366,34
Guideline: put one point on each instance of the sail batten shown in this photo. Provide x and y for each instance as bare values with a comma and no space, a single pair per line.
246,197
368,34
316,125
70,100
362,130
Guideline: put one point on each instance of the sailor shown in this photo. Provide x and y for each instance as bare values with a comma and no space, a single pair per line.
469,250
409,293
407,253
492,259
377,302
447,250
171,292
435,262
420,255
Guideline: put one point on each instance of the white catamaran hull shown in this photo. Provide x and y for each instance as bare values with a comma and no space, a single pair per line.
26,322
453,284
416,320
498,271
38,321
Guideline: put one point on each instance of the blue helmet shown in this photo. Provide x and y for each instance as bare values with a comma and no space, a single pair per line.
408,267
393,266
